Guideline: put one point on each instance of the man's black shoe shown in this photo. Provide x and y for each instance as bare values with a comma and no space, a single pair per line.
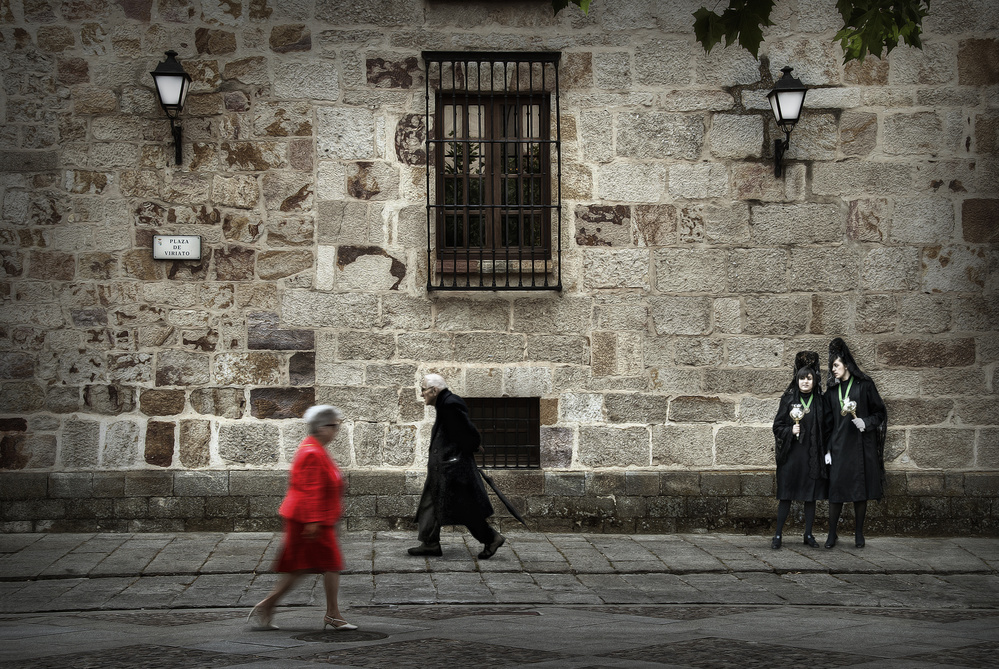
427,549
490,549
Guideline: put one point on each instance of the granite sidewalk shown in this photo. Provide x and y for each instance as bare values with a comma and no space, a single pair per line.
544,600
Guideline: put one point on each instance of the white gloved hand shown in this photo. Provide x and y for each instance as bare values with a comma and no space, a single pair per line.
859,422
828,459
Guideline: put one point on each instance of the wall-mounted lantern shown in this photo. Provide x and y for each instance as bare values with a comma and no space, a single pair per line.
786,99
172,85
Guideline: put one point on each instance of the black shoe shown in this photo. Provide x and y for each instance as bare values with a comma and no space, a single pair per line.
810,541
860,541
775,542
427,549
831,541
488,550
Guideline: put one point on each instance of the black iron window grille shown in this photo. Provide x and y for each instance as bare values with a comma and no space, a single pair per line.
494,198
510,429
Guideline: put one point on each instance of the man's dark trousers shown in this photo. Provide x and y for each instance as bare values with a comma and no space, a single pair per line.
430,530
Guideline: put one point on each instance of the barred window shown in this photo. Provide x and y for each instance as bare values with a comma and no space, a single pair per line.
510,429
492,148
494,185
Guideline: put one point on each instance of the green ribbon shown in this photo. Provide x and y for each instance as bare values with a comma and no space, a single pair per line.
848,386
807,405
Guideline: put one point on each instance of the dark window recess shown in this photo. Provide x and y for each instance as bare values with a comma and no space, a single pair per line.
494,196
510,429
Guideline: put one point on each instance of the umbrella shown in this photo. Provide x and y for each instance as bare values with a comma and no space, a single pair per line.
502,497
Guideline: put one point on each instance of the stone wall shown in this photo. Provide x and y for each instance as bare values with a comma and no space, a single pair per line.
691,275
916,503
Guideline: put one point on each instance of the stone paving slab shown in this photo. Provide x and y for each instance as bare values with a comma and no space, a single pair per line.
59,556
112,571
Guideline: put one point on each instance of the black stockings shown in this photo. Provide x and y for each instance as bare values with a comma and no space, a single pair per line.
859,511
809,517
835,509
784,509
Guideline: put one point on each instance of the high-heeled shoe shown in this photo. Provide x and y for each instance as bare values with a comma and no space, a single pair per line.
831,540
810,541
259,620
775,542
860,541
345,627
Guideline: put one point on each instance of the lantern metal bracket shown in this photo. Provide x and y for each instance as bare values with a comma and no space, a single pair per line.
175,129
780,146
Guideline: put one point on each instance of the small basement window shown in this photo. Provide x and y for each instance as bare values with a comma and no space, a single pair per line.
510,429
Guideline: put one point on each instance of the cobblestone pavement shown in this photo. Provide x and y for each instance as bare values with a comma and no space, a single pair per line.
544,600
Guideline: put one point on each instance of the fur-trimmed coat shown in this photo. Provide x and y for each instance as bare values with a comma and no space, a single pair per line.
452,478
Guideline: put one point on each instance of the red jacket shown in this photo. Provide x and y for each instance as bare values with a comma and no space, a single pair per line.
314,486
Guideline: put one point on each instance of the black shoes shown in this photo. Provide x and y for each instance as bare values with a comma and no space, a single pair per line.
810,541
488,550
831,541
427,549
860,541
775,543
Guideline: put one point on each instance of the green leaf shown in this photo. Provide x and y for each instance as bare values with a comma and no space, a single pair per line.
877,26
742,22
708,28
750,34
559,5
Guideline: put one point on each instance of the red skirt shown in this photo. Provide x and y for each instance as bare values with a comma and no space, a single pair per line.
316,556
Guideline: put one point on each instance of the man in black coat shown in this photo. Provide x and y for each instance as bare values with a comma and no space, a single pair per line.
453,493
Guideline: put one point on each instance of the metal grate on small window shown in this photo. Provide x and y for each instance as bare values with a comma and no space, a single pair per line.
494,171
510,429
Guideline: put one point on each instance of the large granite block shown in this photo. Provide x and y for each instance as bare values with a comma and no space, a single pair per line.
201,484
23,485
258,483
71,484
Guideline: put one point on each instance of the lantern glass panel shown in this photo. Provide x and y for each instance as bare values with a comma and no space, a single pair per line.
172,89
787,105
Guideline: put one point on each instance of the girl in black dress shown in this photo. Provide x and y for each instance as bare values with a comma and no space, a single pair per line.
799,429
856,440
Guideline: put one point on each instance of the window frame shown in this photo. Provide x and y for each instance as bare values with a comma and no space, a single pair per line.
516,418
495,177
466,78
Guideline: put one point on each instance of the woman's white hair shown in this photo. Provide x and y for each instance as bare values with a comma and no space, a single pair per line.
434,381
320,415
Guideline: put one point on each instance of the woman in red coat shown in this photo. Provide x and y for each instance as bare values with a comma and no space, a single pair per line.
310,510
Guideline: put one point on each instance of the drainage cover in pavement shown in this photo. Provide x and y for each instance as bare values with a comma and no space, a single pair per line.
330,636
444,612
